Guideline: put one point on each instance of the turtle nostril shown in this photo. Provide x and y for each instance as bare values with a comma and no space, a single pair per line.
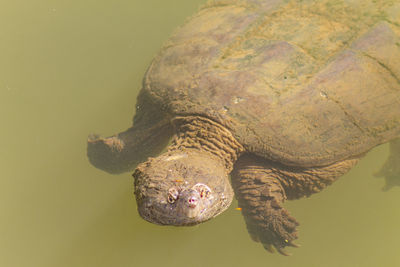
192,202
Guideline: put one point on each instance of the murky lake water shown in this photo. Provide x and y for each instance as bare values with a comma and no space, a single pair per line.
68,69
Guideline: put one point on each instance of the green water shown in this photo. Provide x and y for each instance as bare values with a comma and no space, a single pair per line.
70,68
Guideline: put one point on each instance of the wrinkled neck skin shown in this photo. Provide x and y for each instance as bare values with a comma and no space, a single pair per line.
188,184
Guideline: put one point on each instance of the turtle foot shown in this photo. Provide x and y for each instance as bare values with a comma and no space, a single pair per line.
391,169
277,231
104,153
391,174
113,143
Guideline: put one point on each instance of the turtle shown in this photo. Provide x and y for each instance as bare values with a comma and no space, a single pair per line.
264,100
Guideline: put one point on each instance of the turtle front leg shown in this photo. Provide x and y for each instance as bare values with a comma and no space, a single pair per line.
150,133
391,169
261,187
260,196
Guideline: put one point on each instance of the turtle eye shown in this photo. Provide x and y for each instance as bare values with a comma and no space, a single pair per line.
204,193
203,190
172,195
171,199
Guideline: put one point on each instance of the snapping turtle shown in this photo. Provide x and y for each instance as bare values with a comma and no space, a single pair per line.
284,96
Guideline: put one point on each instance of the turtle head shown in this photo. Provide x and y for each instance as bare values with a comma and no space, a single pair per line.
182,188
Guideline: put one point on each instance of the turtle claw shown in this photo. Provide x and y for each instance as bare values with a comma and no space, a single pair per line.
292,244
277,232
269,248
283,252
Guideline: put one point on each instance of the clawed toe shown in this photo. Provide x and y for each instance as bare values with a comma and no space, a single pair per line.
279,232
281,249
290,224
283,252
292,244
269,248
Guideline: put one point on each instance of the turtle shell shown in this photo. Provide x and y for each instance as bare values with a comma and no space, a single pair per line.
305,83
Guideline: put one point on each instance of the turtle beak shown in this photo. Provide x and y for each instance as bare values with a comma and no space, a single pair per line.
188,203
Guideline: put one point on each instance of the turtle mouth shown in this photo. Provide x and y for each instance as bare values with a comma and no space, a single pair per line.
185,212
164,215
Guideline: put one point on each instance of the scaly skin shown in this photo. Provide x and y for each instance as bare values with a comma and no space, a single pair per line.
261,187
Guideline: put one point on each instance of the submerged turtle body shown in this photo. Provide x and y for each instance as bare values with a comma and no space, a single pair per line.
285,96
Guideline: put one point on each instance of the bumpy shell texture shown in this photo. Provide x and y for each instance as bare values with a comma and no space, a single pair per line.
305,83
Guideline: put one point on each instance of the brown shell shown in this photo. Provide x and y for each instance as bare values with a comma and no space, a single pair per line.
306,83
